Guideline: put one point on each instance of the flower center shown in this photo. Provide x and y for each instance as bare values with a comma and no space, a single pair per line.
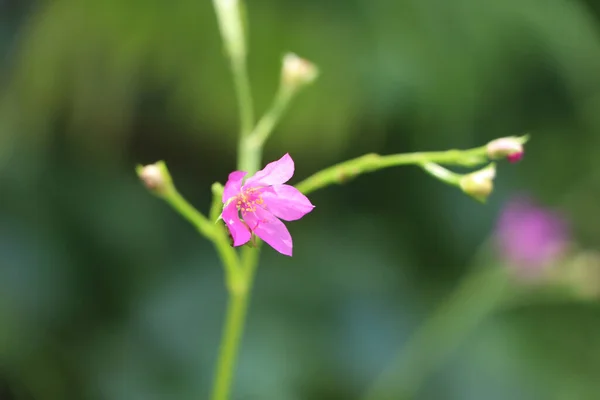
249,199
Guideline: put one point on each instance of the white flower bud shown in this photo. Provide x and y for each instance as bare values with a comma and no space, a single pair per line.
479,184
155,177
297,72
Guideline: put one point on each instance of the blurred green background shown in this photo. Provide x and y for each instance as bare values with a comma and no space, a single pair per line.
105,293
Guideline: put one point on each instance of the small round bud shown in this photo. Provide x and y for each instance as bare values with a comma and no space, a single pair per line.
510,148
479,184
297,72
152,177
155,177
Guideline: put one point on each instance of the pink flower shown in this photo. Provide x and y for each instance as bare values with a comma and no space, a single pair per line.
529,236
262,200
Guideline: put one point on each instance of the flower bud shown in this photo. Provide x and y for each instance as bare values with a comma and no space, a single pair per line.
479,184
510,148
155,177
297,72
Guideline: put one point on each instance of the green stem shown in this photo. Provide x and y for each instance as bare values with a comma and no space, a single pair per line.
243,95
476,297
251,146
251,142
248,161
214,232
441,173
239,298
232,334
342,172
267,123
229,16
187,211
240,290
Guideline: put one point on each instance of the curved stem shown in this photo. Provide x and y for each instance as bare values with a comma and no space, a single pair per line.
342,172
188,212
267,123
216,233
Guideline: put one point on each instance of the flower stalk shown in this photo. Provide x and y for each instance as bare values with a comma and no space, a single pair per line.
441,173
251,142
344,171
240,269
265,125
229,16
296,73
269,186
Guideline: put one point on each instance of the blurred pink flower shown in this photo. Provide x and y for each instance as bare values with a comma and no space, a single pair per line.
261,201
528,236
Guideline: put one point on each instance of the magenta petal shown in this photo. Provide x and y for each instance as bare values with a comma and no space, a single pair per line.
275,173
233,185
267,227
239,231
286,202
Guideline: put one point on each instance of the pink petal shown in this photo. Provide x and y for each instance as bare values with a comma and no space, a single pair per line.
275,173
233,185
239,231
286,202
267,227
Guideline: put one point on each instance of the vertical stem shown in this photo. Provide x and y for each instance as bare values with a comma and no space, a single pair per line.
243,94
239,298
248,156
229,15
249,159
234,328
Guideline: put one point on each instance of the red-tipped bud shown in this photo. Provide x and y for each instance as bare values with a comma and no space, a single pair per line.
510,148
